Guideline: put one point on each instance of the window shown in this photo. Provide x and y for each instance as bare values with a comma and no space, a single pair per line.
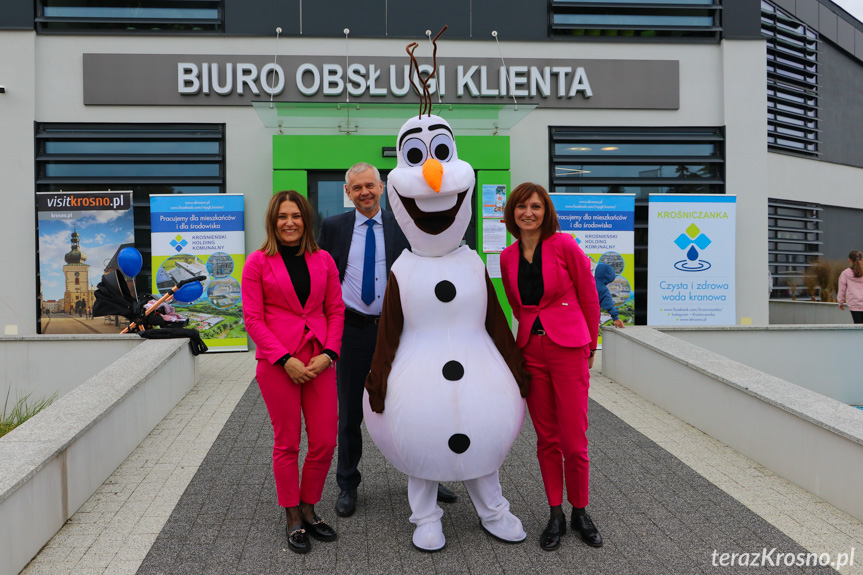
130,16
636,18
145,158
793,244
639,161
792,82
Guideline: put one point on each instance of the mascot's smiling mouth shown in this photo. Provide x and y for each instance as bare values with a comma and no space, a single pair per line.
432,223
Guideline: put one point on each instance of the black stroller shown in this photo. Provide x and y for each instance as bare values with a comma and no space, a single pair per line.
114,296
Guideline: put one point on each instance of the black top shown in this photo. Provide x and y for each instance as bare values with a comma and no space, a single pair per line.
530,284
298,269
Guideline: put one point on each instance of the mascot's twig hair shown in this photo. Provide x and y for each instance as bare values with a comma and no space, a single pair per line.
425,95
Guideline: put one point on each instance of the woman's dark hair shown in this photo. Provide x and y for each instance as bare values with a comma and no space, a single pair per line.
856,258
271,219
520,195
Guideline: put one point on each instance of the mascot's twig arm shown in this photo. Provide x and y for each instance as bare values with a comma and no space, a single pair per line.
498,328
389,333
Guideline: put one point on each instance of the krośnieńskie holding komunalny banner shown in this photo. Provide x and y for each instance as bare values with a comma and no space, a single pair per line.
604,227
203,235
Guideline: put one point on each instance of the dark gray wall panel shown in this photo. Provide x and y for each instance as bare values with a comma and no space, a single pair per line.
741,19
529,22
827,23
807,11
261,17
841,122
788,5
843,231
364,18
412,19
858,44
846,36
17,15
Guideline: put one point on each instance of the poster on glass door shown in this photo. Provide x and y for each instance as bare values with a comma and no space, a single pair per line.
203,235
604,227
691,261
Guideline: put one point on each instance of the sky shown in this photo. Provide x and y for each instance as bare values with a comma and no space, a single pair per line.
853,7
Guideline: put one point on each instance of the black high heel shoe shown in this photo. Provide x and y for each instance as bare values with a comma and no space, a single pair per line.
298,539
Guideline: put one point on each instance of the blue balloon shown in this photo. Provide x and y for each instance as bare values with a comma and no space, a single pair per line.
130,260
189,292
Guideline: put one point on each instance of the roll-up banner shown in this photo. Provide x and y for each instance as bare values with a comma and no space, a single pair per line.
690,260
604,227
203,235
80,234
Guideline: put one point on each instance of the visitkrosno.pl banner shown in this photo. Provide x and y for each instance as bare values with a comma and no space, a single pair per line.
203,235
691,260
604,227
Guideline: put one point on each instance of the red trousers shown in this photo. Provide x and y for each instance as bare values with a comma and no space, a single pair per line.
317,399
558,408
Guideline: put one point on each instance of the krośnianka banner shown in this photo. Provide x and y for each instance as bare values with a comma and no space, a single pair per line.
203,235
604,227
691,262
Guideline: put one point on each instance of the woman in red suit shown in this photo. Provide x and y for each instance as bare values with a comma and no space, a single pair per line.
553,296
293,309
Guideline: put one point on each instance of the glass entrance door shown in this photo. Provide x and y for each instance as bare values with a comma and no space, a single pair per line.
327,195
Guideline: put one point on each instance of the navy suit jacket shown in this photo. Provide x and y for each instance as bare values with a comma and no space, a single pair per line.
337,232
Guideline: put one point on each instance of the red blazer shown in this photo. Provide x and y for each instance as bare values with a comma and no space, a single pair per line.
569,308
272,311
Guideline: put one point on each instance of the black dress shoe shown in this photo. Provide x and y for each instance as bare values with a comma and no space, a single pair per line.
346,504
320,529
298,540
550,538
583,525
445,495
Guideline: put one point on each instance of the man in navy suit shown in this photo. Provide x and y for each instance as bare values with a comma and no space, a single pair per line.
345,237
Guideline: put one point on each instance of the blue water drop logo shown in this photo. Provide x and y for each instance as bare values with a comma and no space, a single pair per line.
692,254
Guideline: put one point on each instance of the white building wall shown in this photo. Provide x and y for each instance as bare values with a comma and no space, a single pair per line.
803,180
720,85
744,96
18,213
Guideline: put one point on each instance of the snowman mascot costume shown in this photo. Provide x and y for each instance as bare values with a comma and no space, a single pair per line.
444,397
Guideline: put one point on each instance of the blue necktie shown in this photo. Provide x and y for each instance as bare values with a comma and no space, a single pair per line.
368,295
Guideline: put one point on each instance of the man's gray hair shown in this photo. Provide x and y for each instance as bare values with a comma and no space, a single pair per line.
360,168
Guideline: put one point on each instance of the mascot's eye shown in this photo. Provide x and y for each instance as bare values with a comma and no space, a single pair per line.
442,147
414,152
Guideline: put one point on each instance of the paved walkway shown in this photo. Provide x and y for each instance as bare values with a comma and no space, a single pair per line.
197,496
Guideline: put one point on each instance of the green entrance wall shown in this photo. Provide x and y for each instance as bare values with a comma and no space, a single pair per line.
295,156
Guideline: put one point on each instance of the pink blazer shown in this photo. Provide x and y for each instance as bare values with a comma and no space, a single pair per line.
569,308
272,311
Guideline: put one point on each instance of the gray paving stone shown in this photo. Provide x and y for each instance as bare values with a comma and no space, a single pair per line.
656,514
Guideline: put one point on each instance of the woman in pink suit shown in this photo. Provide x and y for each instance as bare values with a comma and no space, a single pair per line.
553,296
293,309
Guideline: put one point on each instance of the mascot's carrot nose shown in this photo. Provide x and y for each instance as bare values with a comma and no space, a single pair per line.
433,173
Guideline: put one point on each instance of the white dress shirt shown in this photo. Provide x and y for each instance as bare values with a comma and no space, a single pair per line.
352,285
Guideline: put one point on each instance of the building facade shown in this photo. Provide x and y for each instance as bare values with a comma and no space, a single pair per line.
755,99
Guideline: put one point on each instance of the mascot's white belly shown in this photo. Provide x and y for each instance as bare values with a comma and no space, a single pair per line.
453,408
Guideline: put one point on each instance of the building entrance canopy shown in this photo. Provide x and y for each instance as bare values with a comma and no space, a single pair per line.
381,118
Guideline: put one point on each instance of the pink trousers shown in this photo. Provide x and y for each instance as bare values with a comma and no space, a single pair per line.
318,402
558,408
